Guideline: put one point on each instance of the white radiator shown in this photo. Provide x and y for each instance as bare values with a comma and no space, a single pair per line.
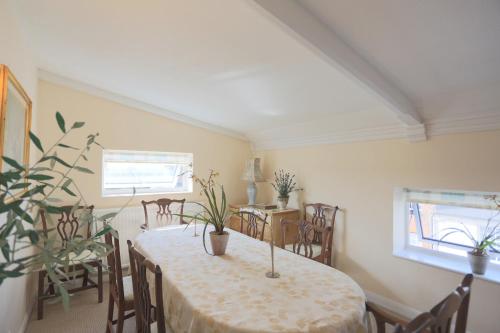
128,222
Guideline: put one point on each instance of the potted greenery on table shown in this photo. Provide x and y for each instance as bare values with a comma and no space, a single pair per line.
214,212
284,184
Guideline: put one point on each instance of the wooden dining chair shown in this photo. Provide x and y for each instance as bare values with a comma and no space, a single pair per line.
250,220
146,313
322,215
70,225
121,292
454,305
304,243
164,211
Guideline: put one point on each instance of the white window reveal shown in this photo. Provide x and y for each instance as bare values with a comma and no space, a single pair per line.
436,227
146,172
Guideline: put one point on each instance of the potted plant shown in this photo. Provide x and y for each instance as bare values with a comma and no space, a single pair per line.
24,190
214,212
284,184
478,256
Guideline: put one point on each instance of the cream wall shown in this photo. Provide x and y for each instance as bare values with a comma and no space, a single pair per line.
16,295
360,178
123,127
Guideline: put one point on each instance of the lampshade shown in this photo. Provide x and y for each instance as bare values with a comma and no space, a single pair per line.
252,171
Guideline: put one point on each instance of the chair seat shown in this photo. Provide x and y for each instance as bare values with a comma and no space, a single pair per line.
315,247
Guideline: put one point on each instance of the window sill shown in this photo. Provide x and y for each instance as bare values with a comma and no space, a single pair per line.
448,262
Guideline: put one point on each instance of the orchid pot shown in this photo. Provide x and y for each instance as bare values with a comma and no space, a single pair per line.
478,261
219,242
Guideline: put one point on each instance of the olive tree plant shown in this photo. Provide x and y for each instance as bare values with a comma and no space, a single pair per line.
24,190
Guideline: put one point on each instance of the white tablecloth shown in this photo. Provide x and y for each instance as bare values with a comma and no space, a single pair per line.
230,293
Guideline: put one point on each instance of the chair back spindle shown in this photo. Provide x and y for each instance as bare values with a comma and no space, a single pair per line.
164,211
70,222
252,218
304,243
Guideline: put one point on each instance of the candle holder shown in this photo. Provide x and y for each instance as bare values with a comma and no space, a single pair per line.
272,274
195,234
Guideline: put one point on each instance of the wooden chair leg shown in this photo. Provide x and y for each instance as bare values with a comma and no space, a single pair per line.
99,281
41,278
121,320
85,277
111,306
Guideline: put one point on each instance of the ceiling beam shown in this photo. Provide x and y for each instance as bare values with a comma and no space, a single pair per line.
317,36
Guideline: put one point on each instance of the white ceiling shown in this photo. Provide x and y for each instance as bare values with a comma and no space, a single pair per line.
237,67
433,50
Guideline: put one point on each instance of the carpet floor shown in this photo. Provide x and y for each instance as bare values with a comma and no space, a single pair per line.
85,315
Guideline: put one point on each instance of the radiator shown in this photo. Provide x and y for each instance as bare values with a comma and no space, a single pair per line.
128,222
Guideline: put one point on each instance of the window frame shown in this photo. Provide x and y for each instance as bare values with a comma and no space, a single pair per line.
404,250
111,195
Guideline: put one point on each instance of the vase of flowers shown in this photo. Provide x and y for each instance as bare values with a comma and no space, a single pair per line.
284,184
214,212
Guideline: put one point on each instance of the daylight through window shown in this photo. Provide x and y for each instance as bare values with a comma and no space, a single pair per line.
147,172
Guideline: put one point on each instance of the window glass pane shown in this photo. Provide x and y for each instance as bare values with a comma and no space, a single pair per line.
147,172
438,226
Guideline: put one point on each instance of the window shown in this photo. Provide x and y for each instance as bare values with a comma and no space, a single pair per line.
147,172
428,225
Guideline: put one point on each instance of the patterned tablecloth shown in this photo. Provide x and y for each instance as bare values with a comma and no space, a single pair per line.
230,293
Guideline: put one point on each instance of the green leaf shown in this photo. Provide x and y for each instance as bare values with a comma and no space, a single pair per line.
5,208
6,252
61,122
36,141
20,186
57,159
13,163
33,191
40,176
66,146
64,297
84,170
23,214
105,230
107,216
67,182
12,274
67,190
78,124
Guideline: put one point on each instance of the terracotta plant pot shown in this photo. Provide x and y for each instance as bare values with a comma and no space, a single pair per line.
478,263
282,202
219,242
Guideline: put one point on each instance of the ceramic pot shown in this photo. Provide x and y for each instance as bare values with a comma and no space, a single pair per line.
219,242
282,202
478,263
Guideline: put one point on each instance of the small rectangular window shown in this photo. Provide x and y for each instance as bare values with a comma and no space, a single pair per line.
445,222
147,172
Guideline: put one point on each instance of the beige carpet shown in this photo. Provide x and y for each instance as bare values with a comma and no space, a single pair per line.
84,316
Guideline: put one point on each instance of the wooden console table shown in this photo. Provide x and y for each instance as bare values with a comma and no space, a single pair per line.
274,217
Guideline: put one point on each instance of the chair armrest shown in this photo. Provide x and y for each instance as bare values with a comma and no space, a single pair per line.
384,316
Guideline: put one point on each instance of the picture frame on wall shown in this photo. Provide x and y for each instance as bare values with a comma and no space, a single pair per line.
15,119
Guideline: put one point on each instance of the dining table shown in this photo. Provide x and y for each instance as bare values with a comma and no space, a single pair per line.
231,293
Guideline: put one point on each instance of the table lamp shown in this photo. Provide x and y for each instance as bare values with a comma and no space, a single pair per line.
252,174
